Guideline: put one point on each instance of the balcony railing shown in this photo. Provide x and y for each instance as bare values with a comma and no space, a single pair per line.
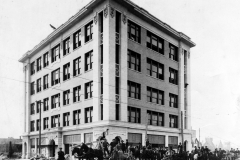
117,70
117,98
101,70
118,38
101,38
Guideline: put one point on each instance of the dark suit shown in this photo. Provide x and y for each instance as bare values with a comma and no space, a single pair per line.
61,155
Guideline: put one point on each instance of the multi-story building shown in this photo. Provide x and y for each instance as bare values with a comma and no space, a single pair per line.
111,67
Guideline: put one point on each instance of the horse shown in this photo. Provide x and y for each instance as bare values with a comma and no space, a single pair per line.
89,153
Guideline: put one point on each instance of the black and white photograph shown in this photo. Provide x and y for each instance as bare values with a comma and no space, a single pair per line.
119,79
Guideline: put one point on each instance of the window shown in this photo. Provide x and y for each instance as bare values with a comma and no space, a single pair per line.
32,108
134,61
32,126
134,90
88,60
88,90
155,118
56,121
173,52
38,106
56,53
45,60
173,100
134,31
45,81
76,117
155,43
66,97
55,76
155,69
45,104
38,125
45,123
173,76
56,101
39,86
76,94
66,119
32,68
155,96
77,39
66,71
88,31
32,88
76,66
66,46
134,115
88,114
173,123
39,63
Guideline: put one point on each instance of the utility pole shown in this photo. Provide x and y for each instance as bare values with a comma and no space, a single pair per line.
182,129
199,138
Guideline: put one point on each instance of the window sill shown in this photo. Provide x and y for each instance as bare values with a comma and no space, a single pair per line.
155,78
66,80
77,48
173,84
66,105
134,98
135,70
88,99
38,70
88,70
39,92
88,41
134,41
45,89
66,54
155,104
173,60
77,75
77,102
155,51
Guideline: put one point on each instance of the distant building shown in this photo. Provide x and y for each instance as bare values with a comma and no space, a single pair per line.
111,66
209,143
16,143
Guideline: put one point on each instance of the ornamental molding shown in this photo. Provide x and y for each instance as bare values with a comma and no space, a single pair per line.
124,18
95,18
105,11
112,11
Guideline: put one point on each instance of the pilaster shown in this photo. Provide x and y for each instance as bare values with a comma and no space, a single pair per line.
180,83
96,70
109,65
166,140
123,68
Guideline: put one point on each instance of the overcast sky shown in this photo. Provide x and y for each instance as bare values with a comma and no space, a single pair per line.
214,25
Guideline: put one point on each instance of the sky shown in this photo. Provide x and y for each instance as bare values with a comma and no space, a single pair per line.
214,25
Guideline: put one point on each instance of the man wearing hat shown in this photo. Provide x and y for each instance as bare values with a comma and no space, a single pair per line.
60,154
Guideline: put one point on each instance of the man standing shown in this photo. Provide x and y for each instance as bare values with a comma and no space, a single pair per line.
126,145
105,147
61,154
180,148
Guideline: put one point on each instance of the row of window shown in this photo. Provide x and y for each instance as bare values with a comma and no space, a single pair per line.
154,68
154,118
55,51
134,116
55,119
154,42
153,95
55,99
55,79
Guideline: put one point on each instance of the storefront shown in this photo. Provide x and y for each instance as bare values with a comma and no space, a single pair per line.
173,142
69,141
156,140
134,139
